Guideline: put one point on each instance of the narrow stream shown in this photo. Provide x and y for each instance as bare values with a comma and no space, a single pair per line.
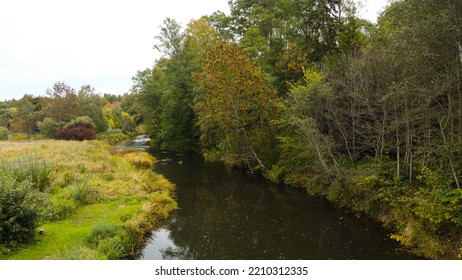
227,214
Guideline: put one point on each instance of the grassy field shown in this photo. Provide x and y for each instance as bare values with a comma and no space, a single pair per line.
100,201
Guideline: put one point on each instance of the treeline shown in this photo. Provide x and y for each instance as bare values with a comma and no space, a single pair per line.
306,93
65,113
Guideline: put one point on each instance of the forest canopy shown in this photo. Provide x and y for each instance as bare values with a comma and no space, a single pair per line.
309,94
64,113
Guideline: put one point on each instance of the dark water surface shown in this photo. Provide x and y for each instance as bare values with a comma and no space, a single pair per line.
227,214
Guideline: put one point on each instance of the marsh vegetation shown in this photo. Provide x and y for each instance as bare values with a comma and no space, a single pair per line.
88,199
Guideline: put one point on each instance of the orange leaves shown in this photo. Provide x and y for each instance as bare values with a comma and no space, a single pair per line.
235,98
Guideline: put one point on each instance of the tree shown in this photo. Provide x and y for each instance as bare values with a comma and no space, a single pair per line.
234,108
199,38
130,103
315,25
112,112
306,147
62,104
148,84
170,38
92,106
271,30
420,42
21,116
175,117
128,123
167,90
49,128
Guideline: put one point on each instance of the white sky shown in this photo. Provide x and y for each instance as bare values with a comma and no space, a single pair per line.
98,42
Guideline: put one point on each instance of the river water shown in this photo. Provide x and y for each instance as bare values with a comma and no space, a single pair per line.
225,213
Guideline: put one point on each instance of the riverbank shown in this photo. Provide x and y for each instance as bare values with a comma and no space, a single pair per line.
424,215
227,213
96,202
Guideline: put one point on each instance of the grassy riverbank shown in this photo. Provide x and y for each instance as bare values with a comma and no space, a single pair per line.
96,202
423,215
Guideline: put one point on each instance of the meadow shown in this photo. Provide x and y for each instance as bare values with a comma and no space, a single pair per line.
78,200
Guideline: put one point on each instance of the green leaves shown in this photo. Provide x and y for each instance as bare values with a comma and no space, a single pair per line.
167,90
21,206
234,107
170,38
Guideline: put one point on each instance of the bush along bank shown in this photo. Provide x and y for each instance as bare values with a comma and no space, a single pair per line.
78,200
424,214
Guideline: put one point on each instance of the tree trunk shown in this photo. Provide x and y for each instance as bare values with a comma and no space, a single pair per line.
448,152
397,154
459,44
310,132
246,137
254,154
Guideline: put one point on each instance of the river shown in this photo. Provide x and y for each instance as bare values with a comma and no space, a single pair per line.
225,213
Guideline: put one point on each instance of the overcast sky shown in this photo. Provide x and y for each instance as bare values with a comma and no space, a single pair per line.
98,42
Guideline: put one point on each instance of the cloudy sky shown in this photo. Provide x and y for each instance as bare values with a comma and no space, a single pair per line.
98,42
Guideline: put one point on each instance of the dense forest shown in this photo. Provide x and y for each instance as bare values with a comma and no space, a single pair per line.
64,113
307,94
304,93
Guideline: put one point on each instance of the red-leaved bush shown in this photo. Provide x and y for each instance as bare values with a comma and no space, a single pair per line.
78,131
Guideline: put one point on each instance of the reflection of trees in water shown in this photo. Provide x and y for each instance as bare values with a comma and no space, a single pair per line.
226,214
227,219
177,253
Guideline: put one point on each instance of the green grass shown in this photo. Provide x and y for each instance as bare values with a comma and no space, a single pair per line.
61,236
91,185
28,167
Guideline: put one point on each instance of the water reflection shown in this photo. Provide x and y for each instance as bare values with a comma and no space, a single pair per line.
141,142
227,214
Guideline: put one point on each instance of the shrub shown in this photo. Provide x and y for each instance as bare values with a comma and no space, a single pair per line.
110,240
78,131
21,206
49,128
114,248
84,194
103,231
4,133
59,208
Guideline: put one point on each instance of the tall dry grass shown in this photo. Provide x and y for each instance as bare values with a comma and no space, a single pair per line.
90,174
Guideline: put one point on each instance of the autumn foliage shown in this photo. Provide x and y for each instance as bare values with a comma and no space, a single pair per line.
234,106
78,131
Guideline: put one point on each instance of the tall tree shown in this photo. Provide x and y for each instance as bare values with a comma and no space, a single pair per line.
234,108
275,31
62,103
23,115
92,107
167,89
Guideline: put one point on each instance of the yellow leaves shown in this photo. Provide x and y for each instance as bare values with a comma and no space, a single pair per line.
313,77
13,111
140,159
235,103
364,182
